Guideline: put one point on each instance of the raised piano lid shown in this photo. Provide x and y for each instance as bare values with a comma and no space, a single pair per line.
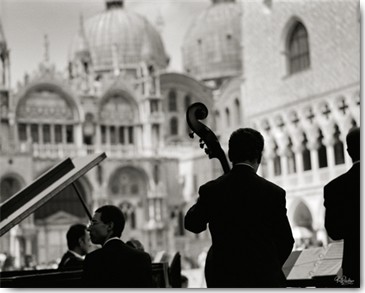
30,198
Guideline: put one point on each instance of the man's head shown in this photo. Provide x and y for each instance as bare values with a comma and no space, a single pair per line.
78,239
108,221
353,143
245,145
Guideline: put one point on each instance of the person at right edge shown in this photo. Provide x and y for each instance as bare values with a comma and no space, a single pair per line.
342,217
251,235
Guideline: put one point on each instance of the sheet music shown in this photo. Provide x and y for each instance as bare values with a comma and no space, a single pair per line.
306,263
332,260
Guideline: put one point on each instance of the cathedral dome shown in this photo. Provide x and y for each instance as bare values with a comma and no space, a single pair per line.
211,47
118,36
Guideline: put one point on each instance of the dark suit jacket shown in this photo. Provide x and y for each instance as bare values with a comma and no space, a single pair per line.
117,265
342,219
251,235
70,261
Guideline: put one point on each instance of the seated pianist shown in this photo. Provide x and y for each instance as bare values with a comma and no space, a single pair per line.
78,242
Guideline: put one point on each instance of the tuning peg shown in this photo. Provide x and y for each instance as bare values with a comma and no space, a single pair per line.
201,145
191,134
201,140
207,151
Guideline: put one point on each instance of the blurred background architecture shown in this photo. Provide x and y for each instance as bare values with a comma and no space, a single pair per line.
290,69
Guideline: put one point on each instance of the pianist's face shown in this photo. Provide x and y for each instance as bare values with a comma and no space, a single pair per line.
99,231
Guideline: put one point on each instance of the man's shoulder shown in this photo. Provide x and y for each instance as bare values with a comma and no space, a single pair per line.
137,253
270,185
212,184
338,181
97,253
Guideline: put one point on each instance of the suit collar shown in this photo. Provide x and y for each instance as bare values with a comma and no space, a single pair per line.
111,239
243,167
75,254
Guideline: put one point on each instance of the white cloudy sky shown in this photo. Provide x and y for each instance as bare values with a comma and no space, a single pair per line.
25,22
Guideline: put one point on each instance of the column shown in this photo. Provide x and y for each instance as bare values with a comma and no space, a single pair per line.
299,159
329,142
138,136
78,136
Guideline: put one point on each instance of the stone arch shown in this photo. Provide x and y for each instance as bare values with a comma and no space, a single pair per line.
118,106
48,96
301,215
10,184
129,182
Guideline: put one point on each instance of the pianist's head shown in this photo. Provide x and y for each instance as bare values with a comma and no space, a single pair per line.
78,239
108,221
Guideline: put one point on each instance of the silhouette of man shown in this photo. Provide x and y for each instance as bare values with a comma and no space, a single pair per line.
116,264
251,235
342,218
78,243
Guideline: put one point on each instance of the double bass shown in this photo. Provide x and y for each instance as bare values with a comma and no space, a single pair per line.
209,141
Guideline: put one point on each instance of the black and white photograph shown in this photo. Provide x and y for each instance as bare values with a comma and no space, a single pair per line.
180,144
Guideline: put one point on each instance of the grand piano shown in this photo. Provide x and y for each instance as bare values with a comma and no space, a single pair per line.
33,196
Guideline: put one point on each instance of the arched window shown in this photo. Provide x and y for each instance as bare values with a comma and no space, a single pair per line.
298,49
173,126
172,101
306,155
277,162
156,173
8,187
228,117
303,216
338,147
238,111
292,168
322,152
48,106
128,183
116,115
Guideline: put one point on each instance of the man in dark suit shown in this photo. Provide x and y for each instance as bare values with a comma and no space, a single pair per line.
342,218
116,264
251,235
78,243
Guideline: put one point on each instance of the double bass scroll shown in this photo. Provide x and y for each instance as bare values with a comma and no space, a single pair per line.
198,111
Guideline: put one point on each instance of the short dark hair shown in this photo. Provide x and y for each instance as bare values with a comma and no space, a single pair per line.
74,233
353,143
245,144
110,213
